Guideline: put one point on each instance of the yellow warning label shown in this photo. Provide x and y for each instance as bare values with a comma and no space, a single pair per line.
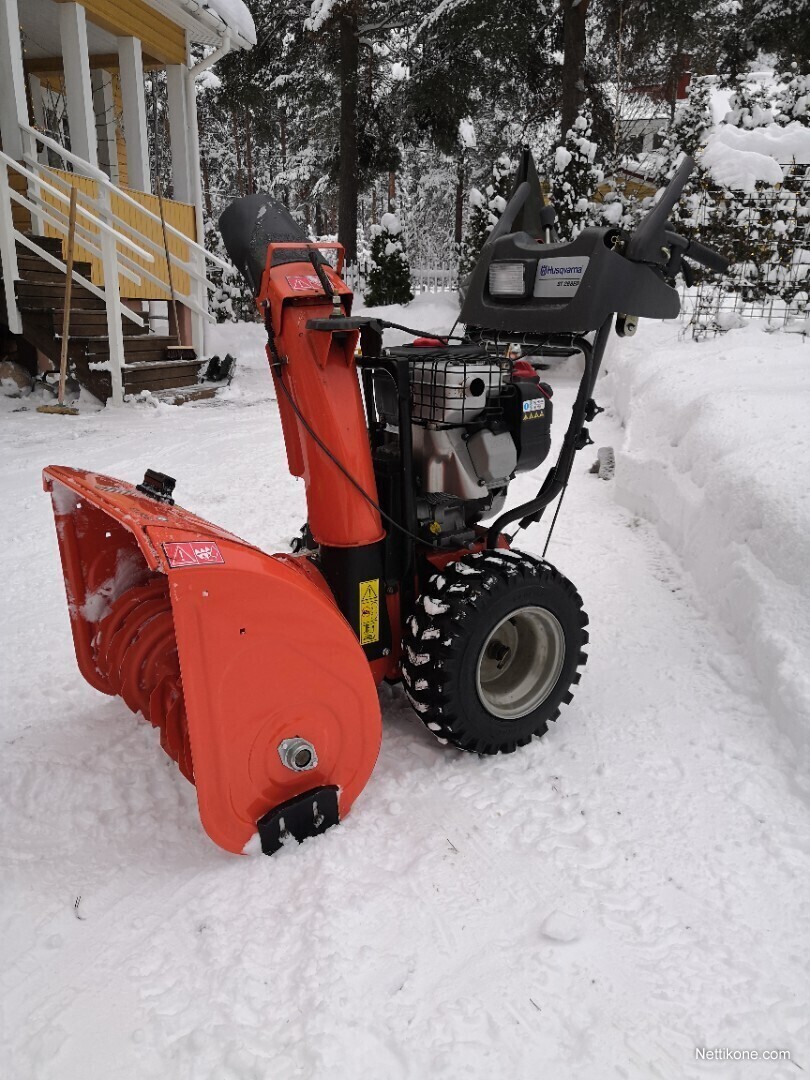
370,611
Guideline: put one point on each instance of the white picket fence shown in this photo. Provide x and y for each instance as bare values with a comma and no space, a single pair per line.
430,278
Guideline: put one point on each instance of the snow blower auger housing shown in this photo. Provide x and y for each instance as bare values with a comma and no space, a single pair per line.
212,641
261,670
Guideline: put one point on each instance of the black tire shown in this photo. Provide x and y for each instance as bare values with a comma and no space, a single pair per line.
449,677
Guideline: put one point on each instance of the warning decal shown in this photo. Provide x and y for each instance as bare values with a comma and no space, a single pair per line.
193,553
303,282
370,611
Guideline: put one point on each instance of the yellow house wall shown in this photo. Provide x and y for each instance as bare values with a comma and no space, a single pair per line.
180,215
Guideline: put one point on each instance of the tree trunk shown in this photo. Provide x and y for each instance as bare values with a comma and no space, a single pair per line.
240,179
459,229
285,197
206,184
348,180
575,14
249,154
392,192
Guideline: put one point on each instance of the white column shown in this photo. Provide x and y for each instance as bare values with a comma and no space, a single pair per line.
179,126
78,90
130,60
8,255
13,107
104,110
112,296
199,325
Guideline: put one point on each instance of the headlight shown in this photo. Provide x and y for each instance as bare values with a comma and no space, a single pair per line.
507,279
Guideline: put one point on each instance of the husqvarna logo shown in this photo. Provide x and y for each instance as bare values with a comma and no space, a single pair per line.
548,269
559,278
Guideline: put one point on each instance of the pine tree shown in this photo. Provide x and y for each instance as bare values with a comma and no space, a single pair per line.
575,177
793,100
231,300
687,135
779,28
693,122
749,106
389,281
485,209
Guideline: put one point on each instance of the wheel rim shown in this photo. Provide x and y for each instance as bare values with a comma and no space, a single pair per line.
520,662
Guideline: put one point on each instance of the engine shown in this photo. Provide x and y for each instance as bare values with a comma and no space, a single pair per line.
477,419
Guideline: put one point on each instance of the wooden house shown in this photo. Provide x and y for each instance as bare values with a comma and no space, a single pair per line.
73,114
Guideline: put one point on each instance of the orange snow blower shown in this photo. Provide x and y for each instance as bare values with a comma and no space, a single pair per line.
261,671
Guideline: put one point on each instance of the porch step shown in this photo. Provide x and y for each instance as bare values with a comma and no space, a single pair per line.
160,375
34,268
45,295
153,362
92,324
52,244
140,348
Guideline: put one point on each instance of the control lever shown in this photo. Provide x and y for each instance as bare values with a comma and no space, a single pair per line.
548,216
326,284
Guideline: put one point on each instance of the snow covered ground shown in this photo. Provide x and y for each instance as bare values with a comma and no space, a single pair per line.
595,907
716,453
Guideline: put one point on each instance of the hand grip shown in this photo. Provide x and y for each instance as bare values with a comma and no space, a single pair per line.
707,257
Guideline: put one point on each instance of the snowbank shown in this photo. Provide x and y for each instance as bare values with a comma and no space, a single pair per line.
716,455
432,313
738,158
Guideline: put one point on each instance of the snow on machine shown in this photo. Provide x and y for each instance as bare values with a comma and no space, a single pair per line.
260,671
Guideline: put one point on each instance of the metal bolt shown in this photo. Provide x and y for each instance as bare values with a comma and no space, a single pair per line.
500,653
297,754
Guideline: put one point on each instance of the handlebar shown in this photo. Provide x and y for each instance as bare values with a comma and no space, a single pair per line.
707,257
652,242
645,243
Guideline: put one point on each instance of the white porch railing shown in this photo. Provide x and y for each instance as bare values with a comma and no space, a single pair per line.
100,231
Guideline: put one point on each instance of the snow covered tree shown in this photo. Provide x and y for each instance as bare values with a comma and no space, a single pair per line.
232,300
688,133
485,208
793,99
575,177
749,105
389,281
780,28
